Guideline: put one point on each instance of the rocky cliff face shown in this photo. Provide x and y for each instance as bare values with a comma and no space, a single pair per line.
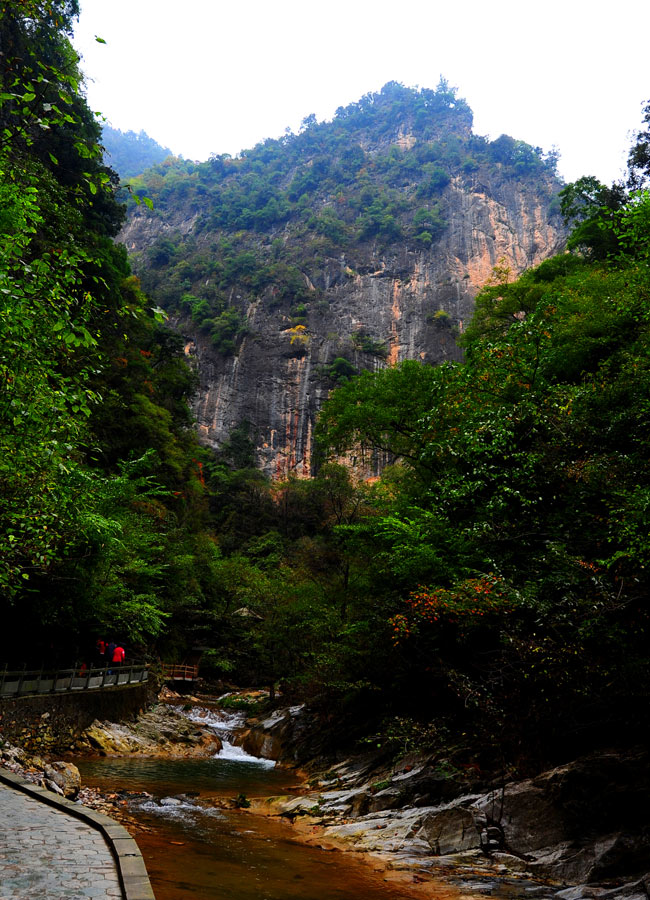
373,304
411,301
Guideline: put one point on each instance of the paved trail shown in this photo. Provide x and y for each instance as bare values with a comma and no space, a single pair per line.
46,854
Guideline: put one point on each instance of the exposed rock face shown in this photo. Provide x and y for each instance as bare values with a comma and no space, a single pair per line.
451,831
161,731
534,822
578,823
271,737
410,299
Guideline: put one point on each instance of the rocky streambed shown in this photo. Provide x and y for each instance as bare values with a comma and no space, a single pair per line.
575,831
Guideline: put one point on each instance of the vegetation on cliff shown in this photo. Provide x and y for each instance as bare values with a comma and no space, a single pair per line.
486,597
513,549
267,224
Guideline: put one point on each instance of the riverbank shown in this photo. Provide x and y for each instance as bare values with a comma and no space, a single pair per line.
398,844
420,826
161,731
199,844
575,831
127,758
568,833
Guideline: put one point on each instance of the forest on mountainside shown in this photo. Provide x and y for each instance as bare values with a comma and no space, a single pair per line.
128,153
485,599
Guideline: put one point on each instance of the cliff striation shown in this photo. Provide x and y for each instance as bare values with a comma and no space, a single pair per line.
353,245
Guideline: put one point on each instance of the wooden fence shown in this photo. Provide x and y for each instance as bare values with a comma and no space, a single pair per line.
20,684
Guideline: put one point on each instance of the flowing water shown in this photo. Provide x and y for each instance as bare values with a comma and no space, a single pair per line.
195,851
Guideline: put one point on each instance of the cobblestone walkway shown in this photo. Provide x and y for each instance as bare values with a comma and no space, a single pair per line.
46,854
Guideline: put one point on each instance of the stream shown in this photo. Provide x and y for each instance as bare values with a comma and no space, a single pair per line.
194,850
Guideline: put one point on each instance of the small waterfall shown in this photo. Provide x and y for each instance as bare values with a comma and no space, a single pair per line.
226,724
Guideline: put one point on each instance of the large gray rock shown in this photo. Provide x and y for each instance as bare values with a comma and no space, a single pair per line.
64,778
601,793
388,798
272,737
584,821
527,816
452,831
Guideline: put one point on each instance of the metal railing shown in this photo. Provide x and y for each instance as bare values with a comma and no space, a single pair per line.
173,672
23,683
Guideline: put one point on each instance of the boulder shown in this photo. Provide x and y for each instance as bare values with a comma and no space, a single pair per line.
451,830
388,798
106,741
260,744
601,793
581,822
65,776
624,853
527,816
427,787
162,731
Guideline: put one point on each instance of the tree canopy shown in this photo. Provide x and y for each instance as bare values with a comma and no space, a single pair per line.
95,444
511,537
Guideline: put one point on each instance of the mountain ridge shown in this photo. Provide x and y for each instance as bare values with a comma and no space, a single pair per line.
352,245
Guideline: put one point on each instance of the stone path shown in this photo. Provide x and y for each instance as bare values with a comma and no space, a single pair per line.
46,854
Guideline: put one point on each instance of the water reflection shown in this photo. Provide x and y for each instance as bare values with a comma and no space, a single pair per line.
213,777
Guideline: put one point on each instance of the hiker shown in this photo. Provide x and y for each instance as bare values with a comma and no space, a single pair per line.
100,652
118,655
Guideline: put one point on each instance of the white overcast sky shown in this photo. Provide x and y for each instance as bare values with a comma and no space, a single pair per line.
210,76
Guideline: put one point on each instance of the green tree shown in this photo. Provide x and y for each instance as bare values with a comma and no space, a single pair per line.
591,208
381,411
100,493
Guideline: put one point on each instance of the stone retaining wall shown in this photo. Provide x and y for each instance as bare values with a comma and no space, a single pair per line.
53,723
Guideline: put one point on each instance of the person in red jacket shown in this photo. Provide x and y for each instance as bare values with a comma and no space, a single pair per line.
118,655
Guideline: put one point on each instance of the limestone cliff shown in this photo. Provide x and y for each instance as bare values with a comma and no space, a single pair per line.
374,280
